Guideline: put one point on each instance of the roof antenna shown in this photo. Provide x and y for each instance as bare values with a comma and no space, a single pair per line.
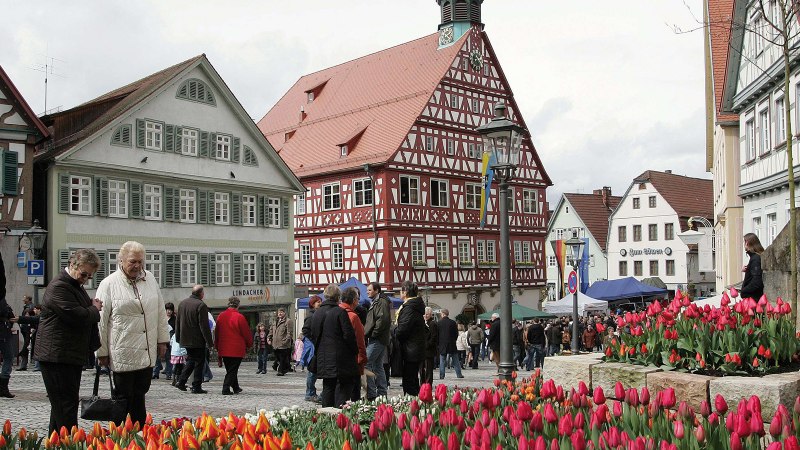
49,69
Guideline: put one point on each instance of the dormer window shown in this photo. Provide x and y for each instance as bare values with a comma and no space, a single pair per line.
313,93
310,96
350,140
343,150
196,90
288,135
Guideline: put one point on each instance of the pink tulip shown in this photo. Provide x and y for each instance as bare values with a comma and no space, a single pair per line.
522,443
582,388
734,292
406,440
435,443
578,440
493,428
373,431
774,446
599,397
705,409
565,425
775,427
550,414
736,442
539,444
700,433
677,428
452,441
537,424
456,397
791,443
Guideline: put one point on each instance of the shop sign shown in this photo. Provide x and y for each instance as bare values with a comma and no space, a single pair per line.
645,251
253,295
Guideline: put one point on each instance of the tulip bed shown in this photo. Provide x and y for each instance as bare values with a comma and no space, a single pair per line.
747,337
528,414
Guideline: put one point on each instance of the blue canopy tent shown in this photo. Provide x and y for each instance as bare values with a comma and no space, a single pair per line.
302,303
621,289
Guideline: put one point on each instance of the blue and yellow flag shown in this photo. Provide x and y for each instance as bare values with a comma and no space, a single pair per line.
487,174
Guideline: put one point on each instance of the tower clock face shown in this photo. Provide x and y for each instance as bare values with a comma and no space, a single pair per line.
476,60
446,36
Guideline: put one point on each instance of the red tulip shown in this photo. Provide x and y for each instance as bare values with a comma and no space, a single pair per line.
441,394
775,427
705,409
617,409
734,292
522,443
721,405
791,443
677,429
452,441
736,442
774,446
767,354
426,393
539,443
524,411
537,423
414,407
373,431
599,397
668,398
406,440
401,421
619,391
578,440
342,421
755,362
550,414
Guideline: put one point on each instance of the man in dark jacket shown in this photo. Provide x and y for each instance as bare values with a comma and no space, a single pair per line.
475,337
494,339
431,348
6,343
411,335
193,332
336,349
448,333
536,343
553,333
311,378
377,332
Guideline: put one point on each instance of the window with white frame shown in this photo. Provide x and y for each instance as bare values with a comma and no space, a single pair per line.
517,251
758,34
343,150
305,256
153,263
439,193
189,142
409,190
636,203
442,252
490,251
476,106
429,143
223,147
117,198
780,121
530,201
750,140
651,201
249,268
222,269
451,147
560,233
331,198
274,205
453,101
222,208
362,192
300,204
80,194
471,150
654,268
669,268
623,268
480,248
152,202
756,224
512,199
772,228
472,194
669,231
274,269
337,255
188,269
637,233
652,232
464,253
551,261
622,233
249,210
154,132
764,131
112,262
418,252
526,251
188,205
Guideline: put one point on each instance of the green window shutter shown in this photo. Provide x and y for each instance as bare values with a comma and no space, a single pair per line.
285,205
202,207
262,210
101,196
102,269
235,149
212,145
263,269
140,132
237,279
169,138
122,136
169,208
178,139
63,258
137,205
236,208
63,193
10,178
172,270
212,269
205,269
285,279
204,144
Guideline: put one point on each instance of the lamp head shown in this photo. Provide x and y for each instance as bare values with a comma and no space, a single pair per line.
502,137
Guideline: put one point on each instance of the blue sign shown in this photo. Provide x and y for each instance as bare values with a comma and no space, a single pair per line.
36,268
22,259
572,282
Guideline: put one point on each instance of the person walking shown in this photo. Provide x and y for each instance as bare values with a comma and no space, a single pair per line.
6,343
753,283
350,298
261,347
336,349
232,338
447,330
133,327
193,333
475,338
310,350
411,335
517,344
462,346
431,348
25,331
589,338
280,336
536,342
67,331
164,362
177,358
377,332
494,339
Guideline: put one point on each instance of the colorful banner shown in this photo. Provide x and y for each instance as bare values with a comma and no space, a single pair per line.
487,175
560,250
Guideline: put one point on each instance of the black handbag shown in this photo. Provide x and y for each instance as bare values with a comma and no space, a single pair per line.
96,408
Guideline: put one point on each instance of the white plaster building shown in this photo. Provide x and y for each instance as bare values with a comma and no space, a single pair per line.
643,237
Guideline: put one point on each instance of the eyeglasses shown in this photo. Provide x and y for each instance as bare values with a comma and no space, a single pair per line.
86,275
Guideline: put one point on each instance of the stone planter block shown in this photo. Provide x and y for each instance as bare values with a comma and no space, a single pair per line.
606,376
567,371
772,389
689,387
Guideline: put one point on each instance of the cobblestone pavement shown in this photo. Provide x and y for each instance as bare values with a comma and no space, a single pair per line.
30,408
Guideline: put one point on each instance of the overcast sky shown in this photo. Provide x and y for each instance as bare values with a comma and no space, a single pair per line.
608,89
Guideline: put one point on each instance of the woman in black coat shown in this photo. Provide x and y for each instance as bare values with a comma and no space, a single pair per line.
336,350
753,284
411,335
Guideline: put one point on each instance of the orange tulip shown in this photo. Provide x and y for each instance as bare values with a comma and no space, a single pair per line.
149,419
54,441
79,436
2,441
346,445
23,433
128,423
7,428
262,425
309,446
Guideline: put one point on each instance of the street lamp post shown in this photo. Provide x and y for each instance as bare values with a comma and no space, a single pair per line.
503,138
575,245
38,236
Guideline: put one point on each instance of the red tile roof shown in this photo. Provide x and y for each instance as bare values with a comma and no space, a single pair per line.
26,109
686,195
382,94
594,214
720,18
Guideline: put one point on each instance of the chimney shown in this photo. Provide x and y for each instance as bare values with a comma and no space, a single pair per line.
606,193
302,113
668,171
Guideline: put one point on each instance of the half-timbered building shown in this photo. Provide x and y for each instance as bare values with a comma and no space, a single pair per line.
20,132
387,148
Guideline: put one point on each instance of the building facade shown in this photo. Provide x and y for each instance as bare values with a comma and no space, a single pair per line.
643,237
387,146
20,132
174,162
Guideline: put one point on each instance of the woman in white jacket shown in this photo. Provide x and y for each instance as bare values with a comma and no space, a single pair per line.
133,327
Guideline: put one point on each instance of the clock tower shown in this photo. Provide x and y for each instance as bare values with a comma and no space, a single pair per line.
458,16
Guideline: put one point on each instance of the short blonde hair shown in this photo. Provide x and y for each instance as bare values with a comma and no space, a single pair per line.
128,248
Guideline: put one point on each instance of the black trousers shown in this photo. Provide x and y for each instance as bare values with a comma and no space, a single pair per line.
282,356
62,383
231,373
411,377
195,363
133,386
426,371
336,391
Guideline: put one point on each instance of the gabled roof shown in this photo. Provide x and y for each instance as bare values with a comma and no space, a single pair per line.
387,90
720,21
686,195
594,213
26,111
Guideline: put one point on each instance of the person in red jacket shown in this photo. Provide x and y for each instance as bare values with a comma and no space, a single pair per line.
350,298
232,338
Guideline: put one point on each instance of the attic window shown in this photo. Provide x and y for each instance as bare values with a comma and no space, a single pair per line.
249,157
343,150
642,186
122,136
197,91
310,96
288,135
349,142
313,93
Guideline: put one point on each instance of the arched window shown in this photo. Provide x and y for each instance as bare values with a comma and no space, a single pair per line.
249,157
196,90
